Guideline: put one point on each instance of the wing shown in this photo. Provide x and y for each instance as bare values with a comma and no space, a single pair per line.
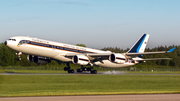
128,54
91,56
105,56
131,54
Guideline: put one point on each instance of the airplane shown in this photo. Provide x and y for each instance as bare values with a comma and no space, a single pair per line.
39,49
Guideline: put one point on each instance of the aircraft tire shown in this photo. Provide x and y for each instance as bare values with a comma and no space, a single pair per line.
88,69
79,71
71,71
93,71
84,69
65,68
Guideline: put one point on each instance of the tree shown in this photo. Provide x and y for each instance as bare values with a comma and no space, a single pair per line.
53,63
5,55
82,45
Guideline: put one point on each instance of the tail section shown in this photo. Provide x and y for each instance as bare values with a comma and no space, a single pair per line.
140,45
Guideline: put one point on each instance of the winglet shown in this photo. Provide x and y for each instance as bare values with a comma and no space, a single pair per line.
171,50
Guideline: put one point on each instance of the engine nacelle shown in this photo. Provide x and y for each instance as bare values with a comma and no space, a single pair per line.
38,59
80,59
117,58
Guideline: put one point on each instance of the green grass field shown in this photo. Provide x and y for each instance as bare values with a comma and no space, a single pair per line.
52,85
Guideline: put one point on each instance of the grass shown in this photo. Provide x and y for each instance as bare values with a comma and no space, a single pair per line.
154,72
35,71
51,85
2,71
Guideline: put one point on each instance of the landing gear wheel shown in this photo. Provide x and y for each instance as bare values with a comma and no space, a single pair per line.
84,69
65,68
88,69
93,71
71,71
79,70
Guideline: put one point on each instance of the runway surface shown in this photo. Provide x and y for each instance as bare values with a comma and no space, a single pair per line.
86,73
153,97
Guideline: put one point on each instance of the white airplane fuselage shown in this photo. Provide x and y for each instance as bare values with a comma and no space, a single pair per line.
56,50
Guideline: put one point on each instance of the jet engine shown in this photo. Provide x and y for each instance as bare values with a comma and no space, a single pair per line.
117,58
80,59
38,59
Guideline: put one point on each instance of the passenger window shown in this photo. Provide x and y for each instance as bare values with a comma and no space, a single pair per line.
24,41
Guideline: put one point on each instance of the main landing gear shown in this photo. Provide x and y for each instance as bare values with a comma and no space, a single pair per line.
68,68
87,69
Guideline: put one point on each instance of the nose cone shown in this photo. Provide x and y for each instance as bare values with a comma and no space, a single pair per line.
5,42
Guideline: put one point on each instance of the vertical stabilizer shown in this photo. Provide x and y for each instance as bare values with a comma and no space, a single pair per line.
140,45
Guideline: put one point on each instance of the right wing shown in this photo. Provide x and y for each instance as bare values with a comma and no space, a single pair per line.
131,54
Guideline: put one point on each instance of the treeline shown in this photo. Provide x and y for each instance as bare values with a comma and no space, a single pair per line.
8,57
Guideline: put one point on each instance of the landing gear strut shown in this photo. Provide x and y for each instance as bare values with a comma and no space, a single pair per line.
68,68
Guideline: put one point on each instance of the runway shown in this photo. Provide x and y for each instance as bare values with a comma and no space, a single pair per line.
153,97
87,73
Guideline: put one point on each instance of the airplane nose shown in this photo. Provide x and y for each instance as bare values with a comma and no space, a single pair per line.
5,42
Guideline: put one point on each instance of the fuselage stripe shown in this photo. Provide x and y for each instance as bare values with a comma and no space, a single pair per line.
57,47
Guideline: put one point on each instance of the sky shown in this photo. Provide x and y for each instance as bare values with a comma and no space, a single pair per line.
95,23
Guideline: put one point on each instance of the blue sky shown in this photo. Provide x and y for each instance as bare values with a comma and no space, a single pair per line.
95,23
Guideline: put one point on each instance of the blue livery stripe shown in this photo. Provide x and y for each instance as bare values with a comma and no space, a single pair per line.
141,44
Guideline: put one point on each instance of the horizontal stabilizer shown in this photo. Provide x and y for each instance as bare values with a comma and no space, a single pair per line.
140,59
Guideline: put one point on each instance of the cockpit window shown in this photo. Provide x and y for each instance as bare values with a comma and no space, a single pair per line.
13,39
24,41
